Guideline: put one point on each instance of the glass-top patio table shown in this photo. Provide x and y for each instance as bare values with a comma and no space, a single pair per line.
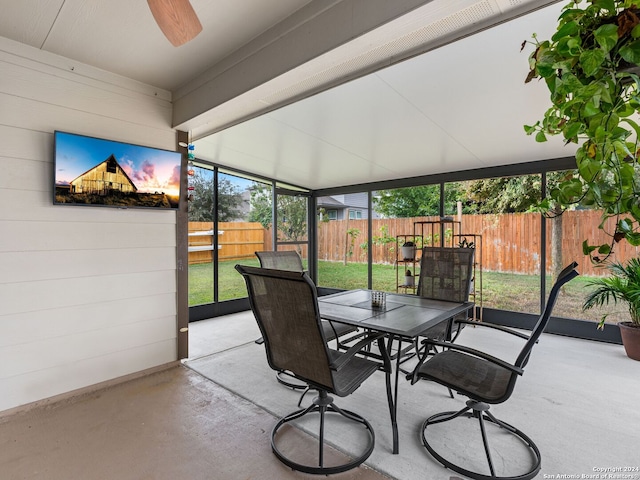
402,318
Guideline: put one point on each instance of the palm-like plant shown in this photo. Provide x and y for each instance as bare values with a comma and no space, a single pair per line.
623,285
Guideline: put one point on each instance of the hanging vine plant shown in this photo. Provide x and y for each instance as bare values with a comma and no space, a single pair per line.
589,67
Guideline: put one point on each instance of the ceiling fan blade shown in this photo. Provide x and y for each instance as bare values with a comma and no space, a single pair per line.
177,20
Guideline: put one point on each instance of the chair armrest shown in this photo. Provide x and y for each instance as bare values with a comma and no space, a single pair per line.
339,362
494,326
471,351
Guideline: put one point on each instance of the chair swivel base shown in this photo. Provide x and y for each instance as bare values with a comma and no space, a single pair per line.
288,380
480,411
323,404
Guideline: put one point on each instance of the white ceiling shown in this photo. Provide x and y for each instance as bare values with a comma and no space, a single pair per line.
457,107
121,36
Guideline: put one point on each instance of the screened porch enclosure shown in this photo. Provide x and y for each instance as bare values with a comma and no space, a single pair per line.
361,250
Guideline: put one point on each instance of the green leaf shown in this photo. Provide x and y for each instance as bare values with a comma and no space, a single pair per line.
545,70
627,179
594,188
572,188
568,29
569,14
589,168
625,110
633,239
605,93
588,200
590,109
541,137
544,205
633,124
631,52
608,5
571,130
622,151
619,134
573,46
544,61
612,121
610,196
634,209
625,226
604,249
586,248
551,82
607,36
571,83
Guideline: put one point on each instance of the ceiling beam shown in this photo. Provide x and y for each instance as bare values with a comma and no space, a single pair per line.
315,29
325,44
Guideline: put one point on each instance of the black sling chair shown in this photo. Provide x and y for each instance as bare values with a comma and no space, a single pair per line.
291,261
285,305
445,274
485,380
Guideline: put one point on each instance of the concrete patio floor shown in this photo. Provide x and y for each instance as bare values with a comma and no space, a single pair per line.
577,400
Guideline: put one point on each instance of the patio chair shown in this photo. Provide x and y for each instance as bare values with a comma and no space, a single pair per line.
445,274
485,380
282,260
290,260
285,305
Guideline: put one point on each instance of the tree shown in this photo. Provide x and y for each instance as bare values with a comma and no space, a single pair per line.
292,213
485,196
504,195
421,201
521,194
201,206
229,201
260,210
292,217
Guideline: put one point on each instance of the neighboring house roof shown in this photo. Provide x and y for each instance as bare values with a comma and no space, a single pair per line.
330,202
350,200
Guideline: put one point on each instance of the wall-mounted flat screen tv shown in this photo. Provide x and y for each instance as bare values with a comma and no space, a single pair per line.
94,171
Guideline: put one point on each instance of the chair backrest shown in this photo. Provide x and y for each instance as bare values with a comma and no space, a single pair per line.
446,273
281,260
568,273
285,305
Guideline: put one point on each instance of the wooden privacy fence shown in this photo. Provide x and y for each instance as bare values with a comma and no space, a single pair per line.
510,242
236,240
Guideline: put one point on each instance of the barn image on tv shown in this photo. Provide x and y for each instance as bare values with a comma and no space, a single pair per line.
106,178
96,171
109,184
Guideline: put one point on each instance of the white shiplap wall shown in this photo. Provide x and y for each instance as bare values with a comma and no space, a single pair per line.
86,294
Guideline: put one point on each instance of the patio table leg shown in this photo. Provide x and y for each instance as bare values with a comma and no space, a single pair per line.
392,394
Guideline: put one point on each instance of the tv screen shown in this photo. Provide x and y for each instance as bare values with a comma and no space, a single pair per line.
94,171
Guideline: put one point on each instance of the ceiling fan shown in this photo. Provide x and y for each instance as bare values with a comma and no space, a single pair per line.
177,20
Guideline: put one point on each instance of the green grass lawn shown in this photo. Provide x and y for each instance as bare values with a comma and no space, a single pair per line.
505,291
